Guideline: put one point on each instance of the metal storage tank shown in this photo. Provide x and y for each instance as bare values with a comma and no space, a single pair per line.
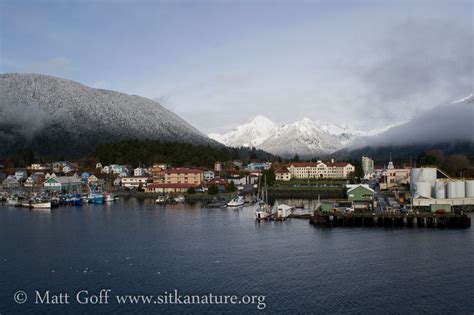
470,188
460,189
451,189
428,174
422,189
440,190
414,175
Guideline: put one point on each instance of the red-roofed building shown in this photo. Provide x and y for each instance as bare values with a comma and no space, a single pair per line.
181,175
336,170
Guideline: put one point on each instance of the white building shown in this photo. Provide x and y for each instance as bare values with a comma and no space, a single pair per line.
134,182
367,165
21,175
139,171
282,174
208,176
336,170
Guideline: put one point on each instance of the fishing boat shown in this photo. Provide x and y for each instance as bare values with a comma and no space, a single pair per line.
40,205
162,199
96,198
264,210
179,199
236,202
73,200
109,197
95,195
14,201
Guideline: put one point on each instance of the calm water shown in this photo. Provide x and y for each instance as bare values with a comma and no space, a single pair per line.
135,247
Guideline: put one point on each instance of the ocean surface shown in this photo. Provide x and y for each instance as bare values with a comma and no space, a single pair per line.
134,247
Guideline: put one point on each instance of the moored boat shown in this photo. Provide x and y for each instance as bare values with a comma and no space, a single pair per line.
236,202
109,197
162,199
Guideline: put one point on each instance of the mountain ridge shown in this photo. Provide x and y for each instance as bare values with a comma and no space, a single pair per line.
51,115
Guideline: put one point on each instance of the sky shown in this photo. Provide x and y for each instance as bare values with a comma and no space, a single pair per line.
219,64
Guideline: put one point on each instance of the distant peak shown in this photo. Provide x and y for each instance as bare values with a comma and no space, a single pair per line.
261,118
467,99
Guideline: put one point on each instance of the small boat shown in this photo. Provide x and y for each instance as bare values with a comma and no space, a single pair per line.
179,199
109,197
96,198
162,199
236,202
73,200
264,209
41,205
14,201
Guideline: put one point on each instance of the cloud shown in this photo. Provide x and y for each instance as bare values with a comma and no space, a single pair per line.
416,65
442,124
54,65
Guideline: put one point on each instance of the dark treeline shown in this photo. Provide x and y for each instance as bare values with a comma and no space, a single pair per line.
147,152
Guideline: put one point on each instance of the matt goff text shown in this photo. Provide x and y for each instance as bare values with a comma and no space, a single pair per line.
104,297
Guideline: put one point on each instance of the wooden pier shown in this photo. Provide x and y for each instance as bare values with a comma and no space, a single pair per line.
420,220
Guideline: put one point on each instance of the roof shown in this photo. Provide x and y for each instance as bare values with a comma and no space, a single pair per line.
313,164
355,186
183,170
66,180
282,170
166,185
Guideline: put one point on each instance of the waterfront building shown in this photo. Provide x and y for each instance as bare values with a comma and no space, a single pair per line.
39,167
134,181
63,184
169,188
208,175
10,183
258,166
319,169
394,177
282,174
21,174
367,165
34,180
139,171
183,175
361,196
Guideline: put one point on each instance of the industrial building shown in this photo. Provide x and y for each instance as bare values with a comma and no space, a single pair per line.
430,186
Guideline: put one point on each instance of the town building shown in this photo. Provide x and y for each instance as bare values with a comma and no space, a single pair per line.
10,183
361,196
134,181
63,183
218,166
139,171
21,174
319,169
208,175
282,174
367,165
168,188
39,167
34,180
394,177
258,166
183,175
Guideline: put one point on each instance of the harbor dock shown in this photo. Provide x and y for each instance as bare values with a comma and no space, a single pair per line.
420,220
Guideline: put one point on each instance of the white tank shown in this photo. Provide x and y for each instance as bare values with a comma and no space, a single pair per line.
451,189
422,189
470,188
428,174
440,190
414,177
460,189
